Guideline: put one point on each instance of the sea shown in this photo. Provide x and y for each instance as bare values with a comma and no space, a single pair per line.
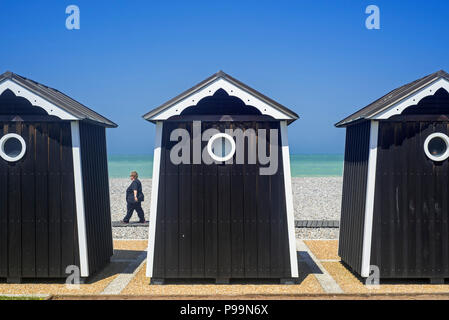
302,165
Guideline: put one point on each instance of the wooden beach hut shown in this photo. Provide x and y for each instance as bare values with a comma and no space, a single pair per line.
395,207
219,212
54,191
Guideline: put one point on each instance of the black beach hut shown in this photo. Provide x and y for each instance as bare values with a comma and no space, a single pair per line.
219,210
395,206
54,190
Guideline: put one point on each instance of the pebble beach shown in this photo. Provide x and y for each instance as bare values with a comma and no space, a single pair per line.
314,198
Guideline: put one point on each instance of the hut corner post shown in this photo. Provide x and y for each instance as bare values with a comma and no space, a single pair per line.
154,197
79,196
289,200
369,202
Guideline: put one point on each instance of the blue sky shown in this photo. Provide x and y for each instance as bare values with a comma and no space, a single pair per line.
315,57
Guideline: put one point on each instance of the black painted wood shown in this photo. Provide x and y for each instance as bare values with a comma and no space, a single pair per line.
96,195
220,221
37,206
410,227
354,195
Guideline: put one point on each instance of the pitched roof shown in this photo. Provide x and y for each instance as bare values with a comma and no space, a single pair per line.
220,74
59,99
391,98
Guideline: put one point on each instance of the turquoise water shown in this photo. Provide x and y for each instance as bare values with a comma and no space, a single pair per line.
302,165
120,166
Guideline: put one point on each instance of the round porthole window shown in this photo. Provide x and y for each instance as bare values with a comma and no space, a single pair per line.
436,146
12,147
221,147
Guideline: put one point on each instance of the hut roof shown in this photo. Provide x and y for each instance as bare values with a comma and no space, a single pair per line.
392,97
182,100
71,106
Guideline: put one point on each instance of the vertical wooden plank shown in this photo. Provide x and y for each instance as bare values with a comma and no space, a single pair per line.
427,230
263,212
237,216
3,211
419,205
224,217
90,194
67,200
378,202
54,197
409,199
210,215
277,190
171,209
159,242
285,252
42,220
28,204
399,178
445,214
14,214
439,179
185,213
388,212
198,244
250,190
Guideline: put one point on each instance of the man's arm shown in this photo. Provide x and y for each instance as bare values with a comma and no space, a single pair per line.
135,190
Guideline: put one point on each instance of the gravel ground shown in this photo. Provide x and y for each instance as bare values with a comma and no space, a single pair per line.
314,198
317,198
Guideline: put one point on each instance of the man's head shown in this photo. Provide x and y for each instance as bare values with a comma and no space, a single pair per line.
133,175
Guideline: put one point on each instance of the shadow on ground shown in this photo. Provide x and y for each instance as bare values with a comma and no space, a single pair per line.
123,261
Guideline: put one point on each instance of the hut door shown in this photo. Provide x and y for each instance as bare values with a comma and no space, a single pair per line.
37,205
411,212
219,220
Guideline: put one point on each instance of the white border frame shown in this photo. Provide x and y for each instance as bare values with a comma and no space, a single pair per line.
4,139
369,201
79,197
211,142
442,157
210,89
154,198
289,200
36,100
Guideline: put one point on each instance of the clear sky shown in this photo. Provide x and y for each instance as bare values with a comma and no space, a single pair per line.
315,57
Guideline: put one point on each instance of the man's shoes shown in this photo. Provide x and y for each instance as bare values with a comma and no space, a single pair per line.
144,221
125,222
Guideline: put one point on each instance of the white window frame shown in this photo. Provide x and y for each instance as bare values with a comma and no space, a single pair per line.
211,142
4,139
441,157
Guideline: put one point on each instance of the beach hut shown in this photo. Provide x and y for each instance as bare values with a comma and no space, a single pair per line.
54,193
219,208
395,206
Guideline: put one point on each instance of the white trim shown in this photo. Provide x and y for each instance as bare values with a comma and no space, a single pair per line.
154,196
412,99
35,99
79,196
210,89
211,142
441,157
4,139
369,201
289,199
